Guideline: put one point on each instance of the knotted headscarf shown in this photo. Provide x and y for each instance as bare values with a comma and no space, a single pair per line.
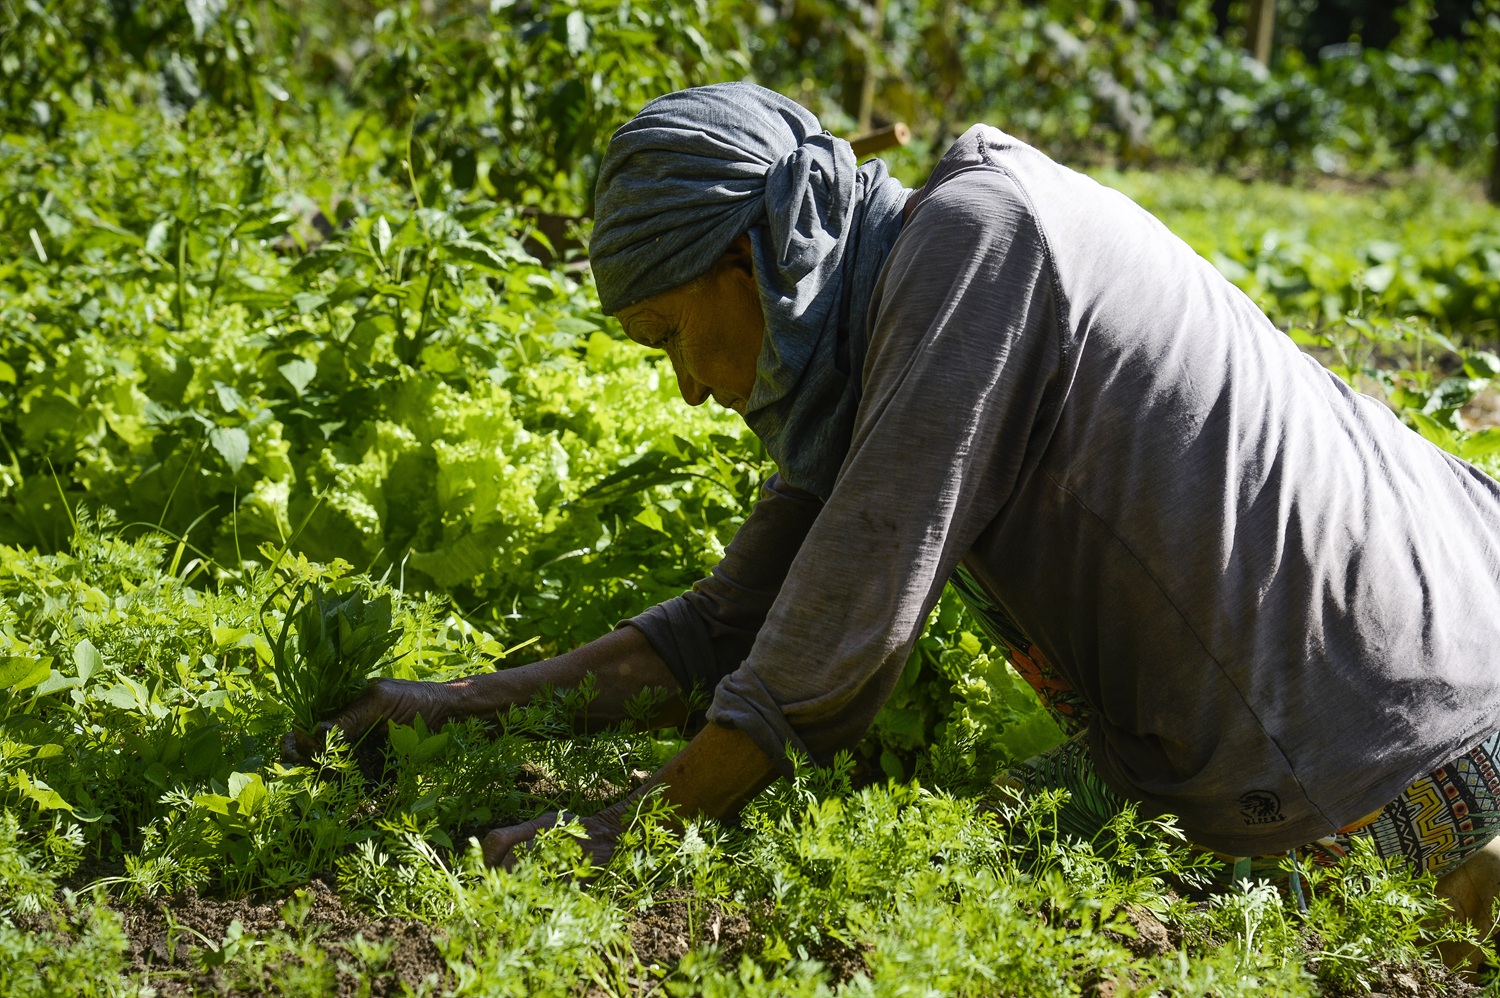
695,170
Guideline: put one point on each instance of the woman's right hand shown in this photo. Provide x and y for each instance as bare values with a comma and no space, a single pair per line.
399,700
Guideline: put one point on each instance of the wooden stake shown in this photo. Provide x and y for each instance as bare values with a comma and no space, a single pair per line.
1260,28
881,139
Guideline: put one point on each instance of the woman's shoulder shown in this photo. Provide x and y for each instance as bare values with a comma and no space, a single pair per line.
971,198
988,175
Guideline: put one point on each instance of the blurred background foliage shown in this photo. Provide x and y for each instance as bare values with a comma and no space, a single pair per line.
518,98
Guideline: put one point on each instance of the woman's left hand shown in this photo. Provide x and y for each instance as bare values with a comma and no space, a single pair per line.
503,845
720,769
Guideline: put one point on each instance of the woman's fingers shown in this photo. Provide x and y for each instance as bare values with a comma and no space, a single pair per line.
298,748
399,700
503,846
499,846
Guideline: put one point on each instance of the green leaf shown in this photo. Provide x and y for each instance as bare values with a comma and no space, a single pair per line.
1434,431
121,696
649,517
318,260
57,681
87,659
403,738
577,32
17,672
232,443
1380,277
248,790
217,803
576,326
299,373
156,238
1480,443
131,694
38,792
476,253
382,236
230,400
1482,364
306,302
431,747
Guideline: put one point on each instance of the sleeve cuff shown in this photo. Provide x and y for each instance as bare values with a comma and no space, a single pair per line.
743,703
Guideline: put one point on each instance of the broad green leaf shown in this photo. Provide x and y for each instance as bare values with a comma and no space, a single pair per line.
1434,431
130,694
431,747
217,803
403,738
306,302
156,238
318,260
1482,364
577,29
87,659
57,681
299,373
266,222
38,792
232,443
121,696
477,254
1379,277
19,673
230,400
576,326
248,790
233,637
649,517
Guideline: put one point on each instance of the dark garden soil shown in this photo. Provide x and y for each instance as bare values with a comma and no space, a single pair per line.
168,940
664,932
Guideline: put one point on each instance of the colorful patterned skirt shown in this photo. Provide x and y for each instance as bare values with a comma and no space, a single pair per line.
1435,824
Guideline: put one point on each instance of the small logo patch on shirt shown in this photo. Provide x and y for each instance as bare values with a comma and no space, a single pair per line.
1260,807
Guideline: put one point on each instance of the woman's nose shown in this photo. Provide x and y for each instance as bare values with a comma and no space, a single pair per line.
693,393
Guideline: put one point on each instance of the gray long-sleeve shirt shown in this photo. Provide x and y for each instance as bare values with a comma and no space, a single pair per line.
1282,605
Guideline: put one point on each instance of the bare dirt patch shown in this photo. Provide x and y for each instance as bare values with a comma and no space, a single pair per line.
172,940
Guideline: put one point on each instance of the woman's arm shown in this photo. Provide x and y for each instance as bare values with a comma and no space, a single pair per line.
704,634
622,663
690,641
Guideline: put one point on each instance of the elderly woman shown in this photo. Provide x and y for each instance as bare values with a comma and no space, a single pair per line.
1262,603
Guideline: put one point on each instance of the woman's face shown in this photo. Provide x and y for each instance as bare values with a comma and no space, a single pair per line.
711,329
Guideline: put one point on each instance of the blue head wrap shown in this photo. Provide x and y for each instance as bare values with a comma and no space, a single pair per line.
695,170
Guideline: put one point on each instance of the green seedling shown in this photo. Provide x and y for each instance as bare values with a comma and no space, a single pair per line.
342,640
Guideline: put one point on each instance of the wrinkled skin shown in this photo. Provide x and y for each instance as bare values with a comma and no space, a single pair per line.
503,846
398,700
